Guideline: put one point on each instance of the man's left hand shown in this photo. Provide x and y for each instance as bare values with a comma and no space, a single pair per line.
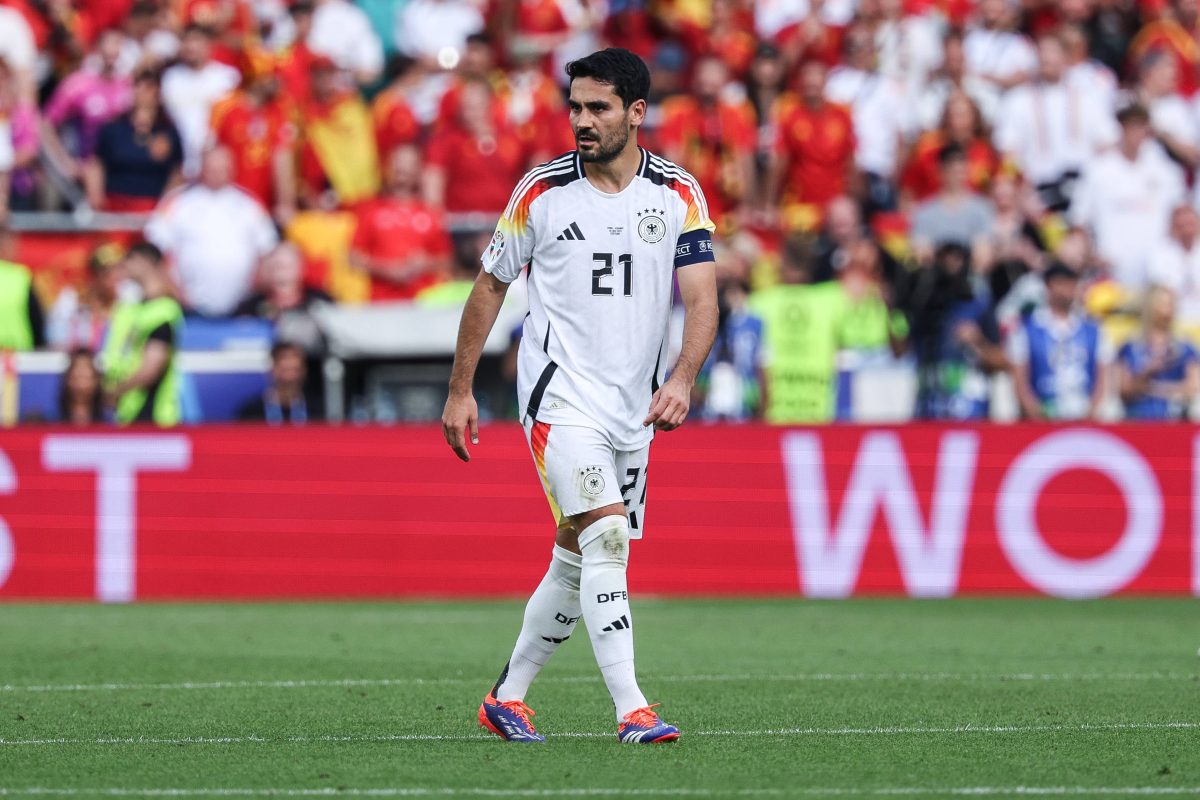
669,406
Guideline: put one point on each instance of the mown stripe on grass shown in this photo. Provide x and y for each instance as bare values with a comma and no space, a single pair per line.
726,678
971,728
418,791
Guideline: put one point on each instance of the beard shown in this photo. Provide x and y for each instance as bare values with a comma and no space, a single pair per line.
607,147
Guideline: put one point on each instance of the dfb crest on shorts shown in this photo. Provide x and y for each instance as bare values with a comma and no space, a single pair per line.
592,480
651,227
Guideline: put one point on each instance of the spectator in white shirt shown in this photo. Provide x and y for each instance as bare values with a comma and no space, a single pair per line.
18,49
994,52
191,88
771,17
435,31
342,31
1175,263
950,79
1171,116
1050,129
1126,197
909,45
147,41
1085,72
214,234
881,116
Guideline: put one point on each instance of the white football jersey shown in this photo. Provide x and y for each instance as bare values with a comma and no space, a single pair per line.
601,277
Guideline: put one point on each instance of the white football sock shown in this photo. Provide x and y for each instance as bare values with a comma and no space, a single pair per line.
604,597
550,616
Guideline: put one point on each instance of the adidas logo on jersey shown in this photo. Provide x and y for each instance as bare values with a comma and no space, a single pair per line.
618,624
572,234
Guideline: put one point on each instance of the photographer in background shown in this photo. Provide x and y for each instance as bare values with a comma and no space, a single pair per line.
1057,355
956,339
284,402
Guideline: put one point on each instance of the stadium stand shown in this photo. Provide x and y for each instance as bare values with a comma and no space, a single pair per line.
981,209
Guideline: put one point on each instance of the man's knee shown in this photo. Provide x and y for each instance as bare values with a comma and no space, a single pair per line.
606,541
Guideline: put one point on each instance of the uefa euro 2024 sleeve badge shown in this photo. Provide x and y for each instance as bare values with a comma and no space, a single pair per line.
651,227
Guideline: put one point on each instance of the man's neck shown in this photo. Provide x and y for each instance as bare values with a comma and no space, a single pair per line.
613,176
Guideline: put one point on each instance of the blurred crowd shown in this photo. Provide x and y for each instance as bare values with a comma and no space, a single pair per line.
975,186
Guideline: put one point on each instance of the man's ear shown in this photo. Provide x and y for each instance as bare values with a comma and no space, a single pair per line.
637,112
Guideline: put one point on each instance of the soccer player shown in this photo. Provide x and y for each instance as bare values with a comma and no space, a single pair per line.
601,230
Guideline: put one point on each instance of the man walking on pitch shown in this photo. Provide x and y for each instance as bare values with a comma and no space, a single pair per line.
602,230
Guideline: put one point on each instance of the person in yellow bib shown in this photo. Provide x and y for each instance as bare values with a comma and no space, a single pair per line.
140,376
22,326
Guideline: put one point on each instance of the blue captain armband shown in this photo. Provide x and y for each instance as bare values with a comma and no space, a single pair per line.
694,247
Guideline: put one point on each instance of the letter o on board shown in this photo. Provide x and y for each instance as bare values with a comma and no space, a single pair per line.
1016,513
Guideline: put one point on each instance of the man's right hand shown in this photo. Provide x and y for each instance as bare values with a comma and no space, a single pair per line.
461,416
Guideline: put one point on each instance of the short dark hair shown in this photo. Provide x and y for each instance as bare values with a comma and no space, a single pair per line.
196,27
1133,114
616,66
148,251
951,152
283,347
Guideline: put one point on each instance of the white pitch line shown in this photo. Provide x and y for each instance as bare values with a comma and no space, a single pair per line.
480,737
726,678
415,791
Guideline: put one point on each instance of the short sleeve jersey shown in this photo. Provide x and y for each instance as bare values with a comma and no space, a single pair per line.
601,276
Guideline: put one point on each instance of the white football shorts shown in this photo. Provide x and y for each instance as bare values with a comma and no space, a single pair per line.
582,471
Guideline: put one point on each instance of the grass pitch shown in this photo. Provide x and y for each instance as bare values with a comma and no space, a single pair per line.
863,698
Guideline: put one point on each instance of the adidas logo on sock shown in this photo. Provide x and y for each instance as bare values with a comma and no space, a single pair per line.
571,234
618,624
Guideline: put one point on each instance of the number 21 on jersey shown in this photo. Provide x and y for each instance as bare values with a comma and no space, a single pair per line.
605,270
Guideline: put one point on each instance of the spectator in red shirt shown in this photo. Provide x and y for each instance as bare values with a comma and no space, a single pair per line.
1177,32
963,126
395,122
401,242
814,152
256,125
472,166
478,64
295,63
714,135
533,105
730,38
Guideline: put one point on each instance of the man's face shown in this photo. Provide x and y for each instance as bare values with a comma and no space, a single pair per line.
710,79
1060,292
404,168
1052,60
109,49
138,268
1134,134
216,170
282,269
954,173
812,82
288,369
194,49
600,121
108,280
